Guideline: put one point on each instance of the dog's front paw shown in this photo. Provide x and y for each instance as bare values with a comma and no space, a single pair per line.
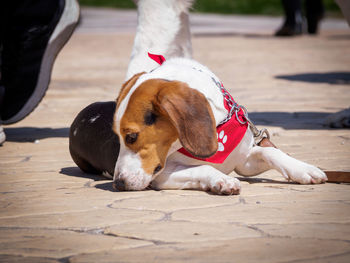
225,185
306,174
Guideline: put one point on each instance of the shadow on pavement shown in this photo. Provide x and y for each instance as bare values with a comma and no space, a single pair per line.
106,186
259,180
75,171
291,120
30,134
335,78
339,37
231,34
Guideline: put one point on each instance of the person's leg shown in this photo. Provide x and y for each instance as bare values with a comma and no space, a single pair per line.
314,13
32,34
293,18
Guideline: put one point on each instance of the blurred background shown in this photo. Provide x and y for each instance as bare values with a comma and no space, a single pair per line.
258,7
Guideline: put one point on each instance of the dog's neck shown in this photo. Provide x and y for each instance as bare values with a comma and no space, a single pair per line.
163,28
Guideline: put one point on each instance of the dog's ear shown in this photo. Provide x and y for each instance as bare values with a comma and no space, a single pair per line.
190,113
127,86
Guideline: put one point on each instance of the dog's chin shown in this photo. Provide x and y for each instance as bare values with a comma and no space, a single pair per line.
136,186
135,182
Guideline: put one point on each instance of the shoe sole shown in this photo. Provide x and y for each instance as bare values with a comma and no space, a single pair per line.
2,136
63,31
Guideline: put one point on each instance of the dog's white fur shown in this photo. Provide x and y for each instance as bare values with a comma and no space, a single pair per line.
163,28
182,172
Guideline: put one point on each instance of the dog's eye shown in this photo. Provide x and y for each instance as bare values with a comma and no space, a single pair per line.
150,118
131,138
157,169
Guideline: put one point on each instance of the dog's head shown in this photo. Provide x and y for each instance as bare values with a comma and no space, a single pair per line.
150,116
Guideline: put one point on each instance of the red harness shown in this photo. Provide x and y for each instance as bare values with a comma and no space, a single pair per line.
230,133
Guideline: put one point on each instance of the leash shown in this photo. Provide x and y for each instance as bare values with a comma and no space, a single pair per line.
261,137
338,176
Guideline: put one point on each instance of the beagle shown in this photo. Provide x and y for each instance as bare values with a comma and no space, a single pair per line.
180,129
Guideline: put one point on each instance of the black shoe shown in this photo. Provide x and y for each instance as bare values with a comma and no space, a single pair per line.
314,14
289,30
32,34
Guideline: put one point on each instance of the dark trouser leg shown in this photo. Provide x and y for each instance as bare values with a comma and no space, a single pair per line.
292,10
314,13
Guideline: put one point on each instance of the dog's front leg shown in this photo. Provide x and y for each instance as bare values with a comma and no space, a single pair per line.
261,159
203,177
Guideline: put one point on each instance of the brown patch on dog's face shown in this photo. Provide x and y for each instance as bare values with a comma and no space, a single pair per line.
161,111
127,86
123,92
146,129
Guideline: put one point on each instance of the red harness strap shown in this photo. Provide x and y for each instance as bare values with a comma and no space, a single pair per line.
157,58
229,133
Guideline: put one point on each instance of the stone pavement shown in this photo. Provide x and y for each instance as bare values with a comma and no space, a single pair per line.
52,212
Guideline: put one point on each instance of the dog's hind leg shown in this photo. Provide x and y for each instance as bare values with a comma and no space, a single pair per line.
261,159
203,177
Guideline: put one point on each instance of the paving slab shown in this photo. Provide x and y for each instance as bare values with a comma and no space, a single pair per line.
50,211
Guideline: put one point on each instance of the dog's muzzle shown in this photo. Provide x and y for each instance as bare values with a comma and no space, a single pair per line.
131,181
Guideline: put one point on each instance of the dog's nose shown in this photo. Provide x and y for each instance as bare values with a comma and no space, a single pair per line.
119,185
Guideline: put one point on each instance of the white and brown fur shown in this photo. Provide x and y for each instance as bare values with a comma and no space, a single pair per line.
161,111
176,105
157,114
